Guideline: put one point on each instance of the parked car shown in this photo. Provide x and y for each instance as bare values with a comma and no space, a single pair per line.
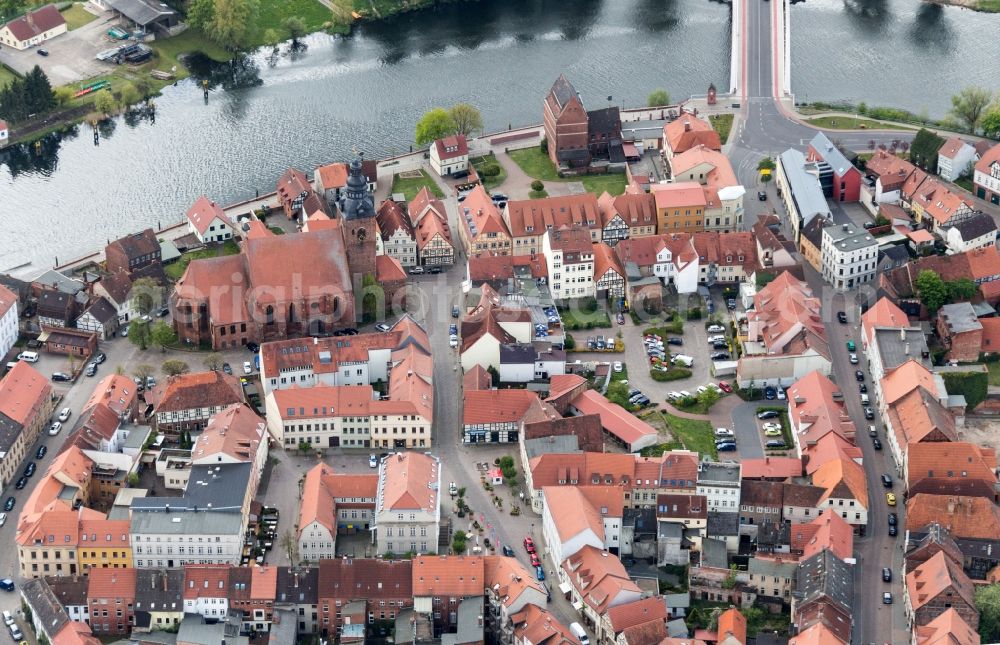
382,327
21,483
781,393
91,369
41,451
454,312
876,444
887,598
886,480
886,574
453,340
893,519
55,428
872,431
768,414
771,426
372,461
529,544
227,368
3,520
30,469
761,195
507,551
863,388
723,432
854,359
9,504
726,447
617,366
43,52
890,499
100,357
851,346
675,341
772,432
770,393
869,414
453,329
61,376
720,344
247,367
859,376
775,444
715,329
253,347
724,386
893,530
731,304
64,414
842,317
720,356
535,562
417,271
540,573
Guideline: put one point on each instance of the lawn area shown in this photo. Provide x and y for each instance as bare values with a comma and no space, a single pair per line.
965,183
410,187
722,123
273,13
577,318
853,123
6,76
76,16
489,183
994,369
536,163
698,406
190,41
693,434
176,269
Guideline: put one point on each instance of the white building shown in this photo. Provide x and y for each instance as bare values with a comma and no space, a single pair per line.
677,262
986,179
570,522
976,232
101,317
489,325
330,503
569,257
208,222
396,233
33,28
177,538
234,436
956,158
408,503
450,155
8,319
848,256
798,182
720,484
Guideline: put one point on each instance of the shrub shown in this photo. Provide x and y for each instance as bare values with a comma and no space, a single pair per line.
570,342
544,145
973,385
673,374
537,186
694,314
490,170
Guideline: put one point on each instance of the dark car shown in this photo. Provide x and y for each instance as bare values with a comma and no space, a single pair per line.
775,443
91,369
893,530
863,388
876,444
675,341
768,414
887,481
731,304
726,447
842,317
41,452
886,574
761,195
100,357
9,504
60,376
253,347
21,483
720,356
869,414
499,197
770,393
435,270
507,551
43,52
164,311
453,329
30,469
227,368
720,344
893,519
454,312
859,376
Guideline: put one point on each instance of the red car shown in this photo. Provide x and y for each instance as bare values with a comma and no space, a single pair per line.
534,559
529,545
725,387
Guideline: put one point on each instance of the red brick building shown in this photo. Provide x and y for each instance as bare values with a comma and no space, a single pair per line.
111,599
960,331
566,125
842,183
135,255
384,585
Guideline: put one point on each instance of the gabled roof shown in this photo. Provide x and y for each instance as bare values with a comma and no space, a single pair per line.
938,201
195,390
828,531
787,318
365,578
389,269
23,393
444,576
831,154
236,432
772,468
599,577
572,513
476,378
635,209
816,407
732,624
407,482
637,613
391,218
954,462
479,214
987,160
951,147
497,406
451,147
935,576
816,634
678,195
204,212
614,418
536,625
102,311
963,517
508,578
919,416
111,583
687,131
904,379
36,22
949,628
978,225
605,260
562,92
842,479
530,217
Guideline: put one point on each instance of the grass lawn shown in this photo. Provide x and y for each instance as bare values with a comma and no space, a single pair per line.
6,75
536,163
722,123
273,13
693,434
576,319
853,123
537,194
994,369
176,269
410,187
76,16
191,40
698,407
489,183
965,183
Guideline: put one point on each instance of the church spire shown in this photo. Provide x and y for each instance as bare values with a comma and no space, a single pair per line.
357,202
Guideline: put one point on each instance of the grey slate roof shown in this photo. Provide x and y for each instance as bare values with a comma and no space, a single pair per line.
142,12
826,575
713,554
558,444
669,530
299,586
216,488
822,144
9,432
102,311
960,317
517,354
806,191
195,630
563,90
47,610
772,567
159,590
848,238
722,524
643,520
187,522
715,472
976,226
896,253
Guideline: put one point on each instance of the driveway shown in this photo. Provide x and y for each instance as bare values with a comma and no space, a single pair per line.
71,55
749,441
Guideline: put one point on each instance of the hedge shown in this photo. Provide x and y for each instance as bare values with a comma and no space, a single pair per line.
673,374
973,385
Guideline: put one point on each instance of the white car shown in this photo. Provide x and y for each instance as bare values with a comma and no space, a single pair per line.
55,428
854,359
781,393
247,367
453,340
723,432
372,461
3,519
772,426
685,393
64,414
673,396
617,366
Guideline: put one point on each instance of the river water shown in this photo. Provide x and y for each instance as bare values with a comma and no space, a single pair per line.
366,91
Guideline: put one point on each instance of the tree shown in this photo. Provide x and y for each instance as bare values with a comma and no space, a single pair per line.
142,371
709,397
433,125
146,294
138,333
988,604
143,85
272,38
305,447
162,335
290,546
932,290
537,186
200,13
569,342
39,91
296,27
494,376
232,23
104,102
133,480
213,362
372,299
63,95
128,95
657,98
969,104
467,118
924,149
962,289
175,367
990,123
767,163
458,542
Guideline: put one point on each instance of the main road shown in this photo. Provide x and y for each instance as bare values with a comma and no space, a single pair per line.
764,128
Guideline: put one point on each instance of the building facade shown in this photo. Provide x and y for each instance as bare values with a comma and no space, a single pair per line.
849,256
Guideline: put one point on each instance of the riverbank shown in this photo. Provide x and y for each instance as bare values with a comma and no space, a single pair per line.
985,6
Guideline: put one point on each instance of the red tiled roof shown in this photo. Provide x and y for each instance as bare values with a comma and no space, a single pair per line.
987,160
772,468
195,390
951,147
7,297
480,208
36,22
388,269
204,212
539,627
936,576
962,516
408,476
732,624
111,583
950,462
366,578
814,408
391,218
605,260
23,393
842,479
451,147
635,209
496,406
828,531
332,175
884,313
443,576
949,628
636,613
687,131
629,429
678,195
477,378
531,217
984,262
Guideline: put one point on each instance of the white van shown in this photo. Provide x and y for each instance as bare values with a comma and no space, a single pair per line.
580,633
864,399
7,618
681,359
716,329
29,357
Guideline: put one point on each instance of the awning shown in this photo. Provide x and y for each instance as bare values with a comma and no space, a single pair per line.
578,605
565,587
631,152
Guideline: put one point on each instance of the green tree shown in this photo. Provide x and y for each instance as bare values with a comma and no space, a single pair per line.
494,376
213,362
39,91
467,118
175,367
372,299
133,480
924,148
458,542
537,186
138,333
988,604
63,95
932,290
990,123
305,447
569,342
144,85
128,96
618,393
200,13
657,98
272,38
709,397
296,27
104,102
162,335
433,125
146,294
962,289
767,163
232,21
968,105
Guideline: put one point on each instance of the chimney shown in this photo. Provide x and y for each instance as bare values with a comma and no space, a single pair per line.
951,505
906,349
845,228
687,126
902,333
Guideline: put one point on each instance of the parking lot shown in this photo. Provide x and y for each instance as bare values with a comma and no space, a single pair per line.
71,55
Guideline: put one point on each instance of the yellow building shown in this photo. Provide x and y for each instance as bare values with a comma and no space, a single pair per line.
811,242
104,544
680,207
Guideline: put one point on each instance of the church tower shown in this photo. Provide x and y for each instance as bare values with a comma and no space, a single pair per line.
357,207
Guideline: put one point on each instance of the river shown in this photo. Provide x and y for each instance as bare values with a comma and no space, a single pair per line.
366,91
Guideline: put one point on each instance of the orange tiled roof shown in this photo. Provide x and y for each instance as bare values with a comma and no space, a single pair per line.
828,531
949,628
687,131
636,613
116,391
479,206
830,446
626,427
333,175
884,313
939,202
75,633
206,581
476,378
991,332
816,405
919,416
539,627
572,513
678,195
508,578
530,217
195,390
599,577
111,583
204,212
984,262
605,260
732,624
815,634
772,468
904,379
23,393
842,479
954,461
992,156
237,432
455,576
935,576
263,583
635,209
496,406
408,476
788,318
963,517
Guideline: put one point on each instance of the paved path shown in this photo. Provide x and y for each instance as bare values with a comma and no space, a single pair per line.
517,185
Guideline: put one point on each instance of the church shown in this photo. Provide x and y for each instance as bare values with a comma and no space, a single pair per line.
283,286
